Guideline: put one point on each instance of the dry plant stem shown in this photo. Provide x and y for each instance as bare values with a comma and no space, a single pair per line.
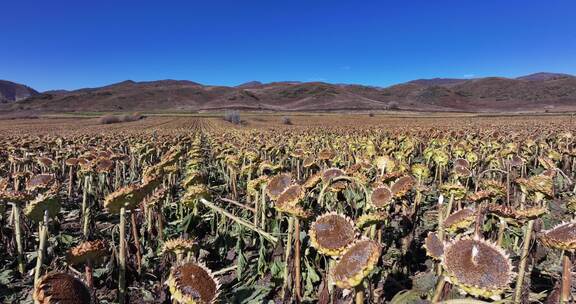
501,229
439,289
160,226
42,234
297,268
256,209
523,261
89,274
122,258
71,181
18,236
263,207
85,205
136,240
288,249
566,279
440,234
86,223
359,294
237,204
149,223
450,204
240,221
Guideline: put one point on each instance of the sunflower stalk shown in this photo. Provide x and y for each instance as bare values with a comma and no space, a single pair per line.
18,236
288,250
297,253
136,240
42,235
565,294
359,294
122,258
523,261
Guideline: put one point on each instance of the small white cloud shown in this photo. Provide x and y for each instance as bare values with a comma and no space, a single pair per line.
346,67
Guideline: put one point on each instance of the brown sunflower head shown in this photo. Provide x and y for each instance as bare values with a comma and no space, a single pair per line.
40,181
562,236
401,187
277,185
434,246
289,201
193,283
460,219
331,233
329,174
127,197
477,267
356,263
87,251
312,181
59,288
104,165
381,197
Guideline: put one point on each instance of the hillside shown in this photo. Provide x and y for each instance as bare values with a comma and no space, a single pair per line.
11,92
536,92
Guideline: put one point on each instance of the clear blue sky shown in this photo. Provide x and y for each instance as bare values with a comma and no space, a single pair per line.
52,44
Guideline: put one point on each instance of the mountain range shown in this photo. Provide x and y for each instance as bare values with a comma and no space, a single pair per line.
535,92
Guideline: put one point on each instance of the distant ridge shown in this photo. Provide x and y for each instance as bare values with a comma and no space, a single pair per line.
544,76
438,81
535,92
11,91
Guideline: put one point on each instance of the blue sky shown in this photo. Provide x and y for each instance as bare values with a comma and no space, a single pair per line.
74,44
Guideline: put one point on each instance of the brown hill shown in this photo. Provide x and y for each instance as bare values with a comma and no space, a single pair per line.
11,91
537,92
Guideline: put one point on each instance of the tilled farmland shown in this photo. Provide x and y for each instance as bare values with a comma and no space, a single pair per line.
329,209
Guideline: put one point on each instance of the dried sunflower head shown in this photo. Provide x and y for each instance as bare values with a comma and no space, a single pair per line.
540,186
192,283
562,236
127,197
255,185
356,263
104,165
277,185
455,189
331,233
56,288
178,246
434,246
309,162
88,250
40,181
371,218
381,197
461,172
461,219
477,267
401,187
43,202
194,193
329,174
420,171
16,197
570,204
289,201
312,181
